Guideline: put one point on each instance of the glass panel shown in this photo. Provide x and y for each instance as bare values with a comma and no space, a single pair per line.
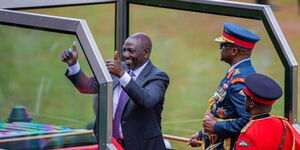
100,18
287,25
32,75
185,39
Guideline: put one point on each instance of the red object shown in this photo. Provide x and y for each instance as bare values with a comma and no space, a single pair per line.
116,144
257,99
266,134
238,41
236,80
90,147
93,147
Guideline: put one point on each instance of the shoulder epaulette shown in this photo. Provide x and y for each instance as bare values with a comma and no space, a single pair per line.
281,118
247,126
232,73
236,80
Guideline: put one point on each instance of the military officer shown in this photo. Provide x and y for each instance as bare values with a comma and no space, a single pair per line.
226,116
265,132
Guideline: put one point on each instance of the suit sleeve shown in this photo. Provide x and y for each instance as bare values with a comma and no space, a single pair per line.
232,128
152,93
83,83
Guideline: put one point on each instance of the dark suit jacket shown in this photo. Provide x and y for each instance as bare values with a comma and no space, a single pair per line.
141,117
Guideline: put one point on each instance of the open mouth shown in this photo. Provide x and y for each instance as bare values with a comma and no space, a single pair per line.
128,61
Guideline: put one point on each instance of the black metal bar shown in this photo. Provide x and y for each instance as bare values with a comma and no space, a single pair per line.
290,64
287,74
121,24
299,6
227,8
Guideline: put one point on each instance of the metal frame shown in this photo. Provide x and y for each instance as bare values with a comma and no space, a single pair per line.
251,11
121,24
227,8
17,4
79,28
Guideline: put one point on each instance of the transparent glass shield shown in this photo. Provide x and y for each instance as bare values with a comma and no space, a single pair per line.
32,76
100,19
187,52
40,107
36,97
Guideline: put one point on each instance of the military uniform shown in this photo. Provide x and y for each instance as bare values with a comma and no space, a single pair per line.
227,105
265,132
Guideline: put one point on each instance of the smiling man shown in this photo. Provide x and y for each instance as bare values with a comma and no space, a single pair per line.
226,116
138,93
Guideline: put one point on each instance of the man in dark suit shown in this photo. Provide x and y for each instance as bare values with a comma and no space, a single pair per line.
138,94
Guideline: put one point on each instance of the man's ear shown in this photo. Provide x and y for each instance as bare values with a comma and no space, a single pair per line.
235,51
252,104
147,52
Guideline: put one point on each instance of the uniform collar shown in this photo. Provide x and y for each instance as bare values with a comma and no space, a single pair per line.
233,66
260,116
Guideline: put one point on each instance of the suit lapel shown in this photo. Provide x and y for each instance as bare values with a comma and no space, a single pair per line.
144,73
139,80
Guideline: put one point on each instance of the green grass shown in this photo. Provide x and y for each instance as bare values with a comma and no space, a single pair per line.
182,46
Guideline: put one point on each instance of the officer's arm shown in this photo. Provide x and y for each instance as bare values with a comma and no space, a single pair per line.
245,143
232,128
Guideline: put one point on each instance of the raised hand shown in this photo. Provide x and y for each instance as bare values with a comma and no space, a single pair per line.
114,65
70,56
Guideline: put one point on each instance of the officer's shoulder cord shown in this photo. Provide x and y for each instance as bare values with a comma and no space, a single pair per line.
284,135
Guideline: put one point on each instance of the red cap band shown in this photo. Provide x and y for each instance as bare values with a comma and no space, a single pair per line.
238,41
257,99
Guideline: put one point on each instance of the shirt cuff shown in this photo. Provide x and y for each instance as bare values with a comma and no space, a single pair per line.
74,69
124,80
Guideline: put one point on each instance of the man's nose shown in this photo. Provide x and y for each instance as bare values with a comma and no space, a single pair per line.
125,54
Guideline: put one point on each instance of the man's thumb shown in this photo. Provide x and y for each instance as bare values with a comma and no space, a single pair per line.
74,46
117,57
